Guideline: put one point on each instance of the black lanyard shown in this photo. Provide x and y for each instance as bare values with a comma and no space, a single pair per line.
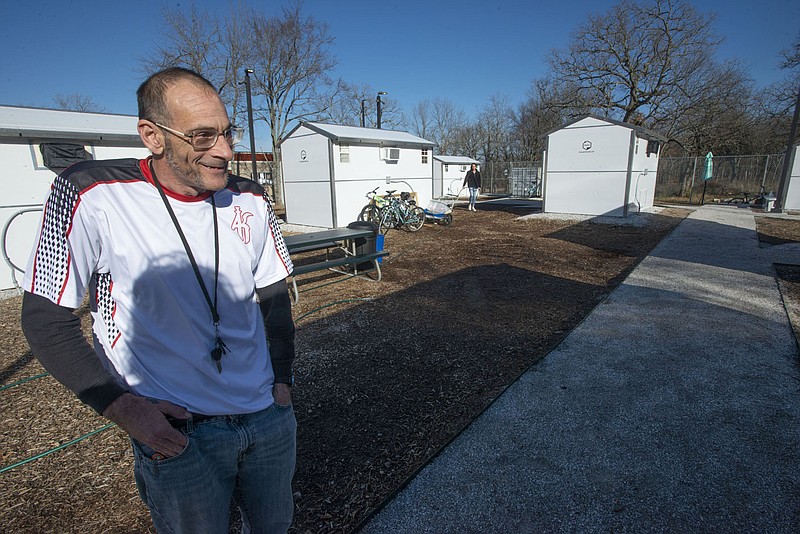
219,346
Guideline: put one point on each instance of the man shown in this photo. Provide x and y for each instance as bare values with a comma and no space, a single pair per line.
194,341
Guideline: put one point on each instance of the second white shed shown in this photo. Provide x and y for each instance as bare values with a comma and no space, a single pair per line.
793,185
449,173
599,166
328,169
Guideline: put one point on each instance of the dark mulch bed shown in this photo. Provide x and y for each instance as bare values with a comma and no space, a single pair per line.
387,373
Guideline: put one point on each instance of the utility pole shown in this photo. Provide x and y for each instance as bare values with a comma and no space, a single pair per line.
379,107
247,73
363,114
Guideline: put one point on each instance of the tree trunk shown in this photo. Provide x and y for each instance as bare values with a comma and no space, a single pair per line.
277,177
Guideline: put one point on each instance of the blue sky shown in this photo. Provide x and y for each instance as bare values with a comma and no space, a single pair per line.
465,51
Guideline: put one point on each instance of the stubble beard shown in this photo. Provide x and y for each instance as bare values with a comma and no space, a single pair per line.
189,175
186,174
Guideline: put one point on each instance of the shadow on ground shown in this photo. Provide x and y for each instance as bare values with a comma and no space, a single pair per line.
357,447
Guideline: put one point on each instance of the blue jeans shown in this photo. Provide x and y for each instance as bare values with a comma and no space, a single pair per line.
473,195
248,458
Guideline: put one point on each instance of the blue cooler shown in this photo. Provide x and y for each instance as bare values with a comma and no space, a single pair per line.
379,245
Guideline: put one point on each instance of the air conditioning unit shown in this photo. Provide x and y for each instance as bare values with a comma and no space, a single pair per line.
390,154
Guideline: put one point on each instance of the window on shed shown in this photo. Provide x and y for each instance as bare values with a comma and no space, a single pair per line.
463,168
344,153
446,167
424,155
59,156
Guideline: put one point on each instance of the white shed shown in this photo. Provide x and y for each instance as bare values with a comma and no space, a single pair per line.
599,166
793,185
449,172
328,169
34,145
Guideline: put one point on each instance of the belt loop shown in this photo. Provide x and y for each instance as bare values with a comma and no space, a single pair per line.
190,424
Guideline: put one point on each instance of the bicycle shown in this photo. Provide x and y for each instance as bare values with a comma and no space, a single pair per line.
371,212
753,201
400,213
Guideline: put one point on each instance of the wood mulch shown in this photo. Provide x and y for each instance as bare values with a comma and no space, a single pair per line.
387,373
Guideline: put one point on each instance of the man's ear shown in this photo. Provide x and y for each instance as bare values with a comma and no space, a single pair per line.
152,136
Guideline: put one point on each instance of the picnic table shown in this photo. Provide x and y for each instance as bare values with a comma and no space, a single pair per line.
343,239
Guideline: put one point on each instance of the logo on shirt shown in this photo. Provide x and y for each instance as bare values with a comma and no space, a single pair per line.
239,224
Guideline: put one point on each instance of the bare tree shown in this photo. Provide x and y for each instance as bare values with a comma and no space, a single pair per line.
775,103
495,125
468,140
720,116
288,56
791,56
344,105
192,40
238,57
438,120
542,112
639,57
778,98
291,64
77,102
421,119
217,48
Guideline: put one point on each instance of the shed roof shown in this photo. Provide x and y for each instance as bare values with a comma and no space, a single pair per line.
23,122
356,134
642,132
455,160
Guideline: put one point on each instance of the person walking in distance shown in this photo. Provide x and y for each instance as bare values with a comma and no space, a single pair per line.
185,267
473,181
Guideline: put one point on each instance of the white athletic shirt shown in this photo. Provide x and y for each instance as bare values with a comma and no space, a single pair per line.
106,229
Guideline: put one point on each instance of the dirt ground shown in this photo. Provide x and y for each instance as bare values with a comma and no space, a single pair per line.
387,373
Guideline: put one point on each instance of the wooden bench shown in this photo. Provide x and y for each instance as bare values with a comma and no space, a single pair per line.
335,265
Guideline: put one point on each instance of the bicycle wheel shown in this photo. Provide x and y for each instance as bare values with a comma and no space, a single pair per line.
446,220
388,220
416,218
369,213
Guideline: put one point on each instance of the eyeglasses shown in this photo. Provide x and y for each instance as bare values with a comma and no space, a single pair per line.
205,138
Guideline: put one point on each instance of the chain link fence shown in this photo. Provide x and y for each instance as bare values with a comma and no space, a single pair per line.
681,179
516,178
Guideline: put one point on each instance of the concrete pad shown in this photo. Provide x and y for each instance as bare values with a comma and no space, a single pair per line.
674,407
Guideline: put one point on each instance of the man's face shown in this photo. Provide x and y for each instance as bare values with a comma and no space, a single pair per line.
194,172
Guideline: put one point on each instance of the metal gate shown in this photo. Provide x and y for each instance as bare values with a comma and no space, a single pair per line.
521,179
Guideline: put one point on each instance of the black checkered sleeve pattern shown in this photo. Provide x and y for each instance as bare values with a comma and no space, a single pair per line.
52,261
275,228
106,305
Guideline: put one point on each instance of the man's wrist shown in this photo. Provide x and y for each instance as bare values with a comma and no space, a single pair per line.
102,396
287,380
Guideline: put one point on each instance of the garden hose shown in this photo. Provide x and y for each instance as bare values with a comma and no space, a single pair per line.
56,449
18,382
